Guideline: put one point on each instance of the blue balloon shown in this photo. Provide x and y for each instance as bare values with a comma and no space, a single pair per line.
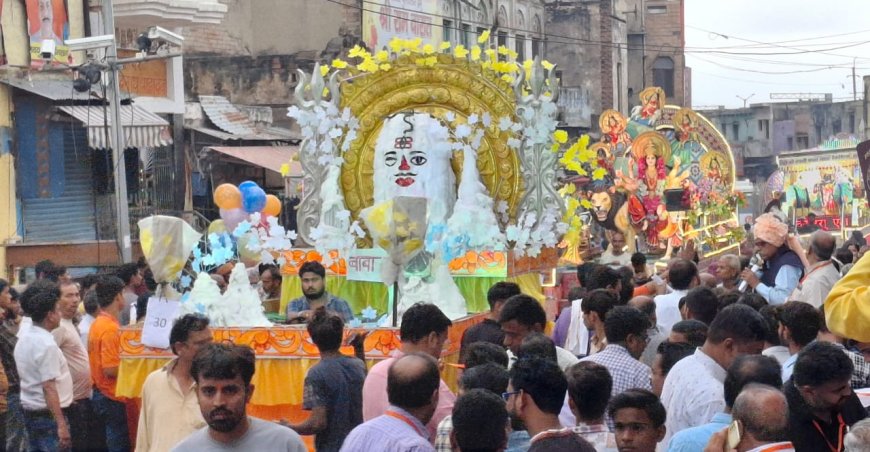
253,199
247,185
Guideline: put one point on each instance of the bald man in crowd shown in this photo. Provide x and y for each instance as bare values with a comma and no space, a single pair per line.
762,411
821,274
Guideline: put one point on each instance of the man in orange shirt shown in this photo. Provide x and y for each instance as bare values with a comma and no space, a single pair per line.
104,353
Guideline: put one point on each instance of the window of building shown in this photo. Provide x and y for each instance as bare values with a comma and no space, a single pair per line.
790,143
764,128
502,38
656,9
663,75
521,47
559,78
447,30
735,127
537,49
836,126
466,31
480,31
819,134
851,122
802,141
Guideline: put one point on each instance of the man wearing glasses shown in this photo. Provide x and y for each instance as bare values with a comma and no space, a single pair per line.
782,268
535,393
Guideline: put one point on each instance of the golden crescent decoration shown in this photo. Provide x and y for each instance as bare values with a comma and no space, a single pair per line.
601,146
707,163
652,91
606,115
653,139
681,115
453,85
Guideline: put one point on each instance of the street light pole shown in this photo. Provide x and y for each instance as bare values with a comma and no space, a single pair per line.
122,213
744,99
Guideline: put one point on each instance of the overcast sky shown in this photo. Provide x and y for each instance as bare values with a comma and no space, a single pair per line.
817,25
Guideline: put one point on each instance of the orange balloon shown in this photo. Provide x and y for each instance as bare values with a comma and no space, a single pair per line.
273,206
228,196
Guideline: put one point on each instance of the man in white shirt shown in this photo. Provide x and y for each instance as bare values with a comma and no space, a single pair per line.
92,309
577,339
693,391
728,272
46,383
170,411
682,276
615,254
821,274
86,435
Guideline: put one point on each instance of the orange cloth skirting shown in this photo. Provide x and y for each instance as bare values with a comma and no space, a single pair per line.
284,355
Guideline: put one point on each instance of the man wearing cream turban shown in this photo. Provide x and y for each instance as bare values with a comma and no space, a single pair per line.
782,269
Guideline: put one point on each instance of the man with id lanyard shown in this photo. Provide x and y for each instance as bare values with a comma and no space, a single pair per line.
412,388
821,402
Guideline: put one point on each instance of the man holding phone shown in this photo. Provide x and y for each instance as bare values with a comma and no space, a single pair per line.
760,423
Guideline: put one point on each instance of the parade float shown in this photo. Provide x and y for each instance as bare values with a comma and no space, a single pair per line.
825,181
664,175
429,175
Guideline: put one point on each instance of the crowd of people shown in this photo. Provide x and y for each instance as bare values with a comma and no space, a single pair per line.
737,358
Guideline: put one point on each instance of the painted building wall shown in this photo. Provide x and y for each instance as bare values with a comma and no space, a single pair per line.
578,64
665,38
16,45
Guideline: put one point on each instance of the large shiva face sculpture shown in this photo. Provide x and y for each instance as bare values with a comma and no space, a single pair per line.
412,158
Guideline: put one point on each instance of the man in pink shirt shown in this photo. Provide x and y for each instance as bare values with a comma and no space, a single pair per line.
424,329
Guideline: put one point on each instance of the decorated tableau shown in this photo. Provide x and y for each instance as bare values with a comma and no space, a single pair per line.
660,176
421,165
824,182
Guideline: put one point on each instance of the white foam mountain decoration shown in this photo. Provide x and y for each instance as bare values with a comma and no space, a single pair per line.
238,306
473,225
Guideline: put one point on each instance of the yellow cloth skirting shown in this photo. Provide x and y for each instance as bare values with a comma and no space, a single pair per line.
360,294
277,381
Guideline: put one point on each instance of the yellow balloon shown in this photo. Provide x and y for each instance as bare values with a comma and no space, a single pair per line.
217,227
245,253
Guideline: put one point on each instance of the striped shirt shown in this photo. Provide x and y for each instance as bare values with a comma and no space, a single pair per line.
627,372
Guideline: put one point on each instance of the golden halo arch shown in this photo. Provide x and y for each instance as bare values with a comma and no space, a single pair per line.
452,86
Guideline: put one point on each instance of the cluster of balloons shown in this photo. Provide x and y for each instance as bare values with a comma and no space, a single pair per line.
236,203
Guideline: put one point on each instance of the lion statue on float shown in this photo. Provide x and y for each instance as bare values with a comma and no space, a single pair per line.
610,211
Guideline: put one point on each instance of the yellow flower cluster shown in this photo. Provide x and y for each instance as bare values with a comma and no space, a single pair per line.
577,154
502,61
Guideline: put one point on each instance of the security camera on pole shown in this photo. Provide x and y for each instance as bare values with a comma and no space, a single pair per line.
113,66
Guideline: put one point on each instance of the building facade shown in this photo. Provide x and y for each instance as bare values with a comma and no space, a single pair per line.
656,49
760,132
57,169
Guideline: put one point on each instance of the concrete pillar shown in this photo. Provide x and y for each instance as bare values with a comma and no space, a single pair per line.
867,107
8,210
